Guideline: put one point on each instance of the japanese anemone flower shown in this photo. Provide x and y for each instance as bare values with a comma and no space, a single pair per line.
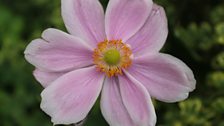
116,55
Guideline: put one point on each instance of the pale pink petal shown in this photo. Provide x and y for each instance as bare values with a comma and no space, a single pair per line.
58,51
46,78
125,17
167,78
137,101
69,99
112,106
85,19
152,36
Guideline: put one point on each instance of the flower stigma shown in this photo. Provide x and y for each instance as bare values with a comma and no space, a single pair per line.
112,56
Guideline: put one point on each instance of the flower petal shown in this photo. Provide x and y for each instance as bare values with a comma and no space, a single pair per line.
46,78
112,106
152,36
85,19
137,101
125,17
58,52
69,99
167,78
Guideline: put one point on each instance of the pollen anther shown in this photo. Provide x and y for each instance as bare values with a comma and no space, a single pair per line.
112,56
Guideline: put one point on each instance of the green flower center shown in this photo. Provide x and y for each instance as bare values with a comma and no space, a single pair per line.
112,57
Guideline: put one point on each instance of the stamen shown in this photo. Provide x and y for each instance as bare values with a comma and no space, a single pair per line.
112,56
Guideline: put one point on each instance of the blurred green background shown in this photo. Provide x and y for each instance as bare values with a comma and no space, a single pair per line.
196,36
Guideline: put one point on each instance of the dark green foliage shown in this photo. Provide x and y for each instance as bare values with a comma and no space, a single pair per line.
196,37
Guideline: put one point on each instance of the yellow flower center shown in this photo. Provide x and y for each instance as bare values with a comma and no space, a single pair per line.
112,56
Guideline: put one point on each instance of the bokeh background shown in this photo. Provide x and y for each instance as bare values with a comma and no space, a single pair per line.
196,36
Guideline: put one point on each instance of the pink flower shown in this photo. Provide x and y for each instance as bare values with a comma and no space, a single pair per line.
116,55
